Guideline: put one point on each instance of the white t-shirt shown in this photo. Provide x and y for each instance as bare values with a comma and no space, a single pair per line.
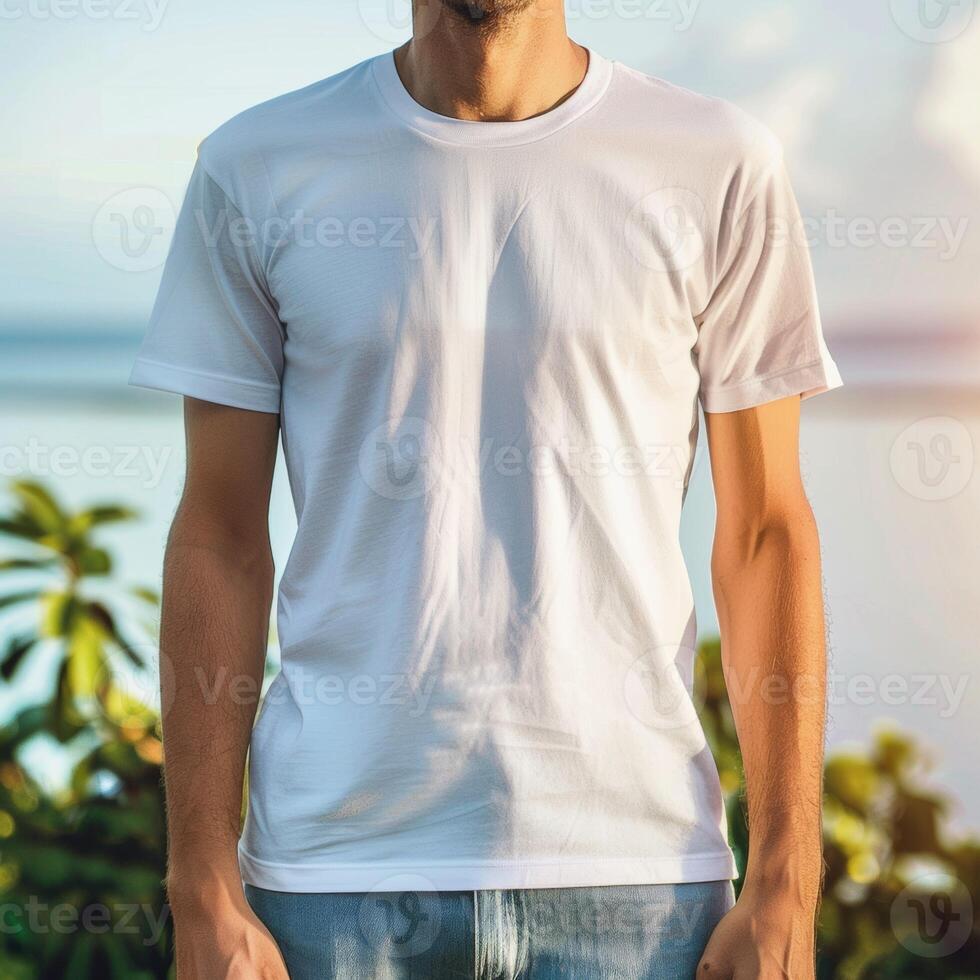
487,342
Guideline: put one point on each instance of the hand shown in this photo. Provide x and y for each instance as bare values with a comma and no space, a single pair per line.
219,937
763,938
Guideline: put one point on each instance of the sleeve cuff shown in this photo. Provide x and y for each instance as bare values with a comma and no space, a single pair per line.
256,396
811,379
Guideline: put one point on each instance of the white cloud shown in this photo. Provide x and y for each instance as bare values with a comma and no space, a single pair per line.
769,31
949,110
790,107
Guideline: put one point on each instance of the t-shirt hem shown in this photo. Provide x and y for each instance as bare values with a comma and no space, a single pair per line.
220,389
806,381
452,876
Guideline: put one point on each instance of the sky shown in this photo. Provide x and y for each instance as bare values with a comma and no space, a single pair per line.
876,103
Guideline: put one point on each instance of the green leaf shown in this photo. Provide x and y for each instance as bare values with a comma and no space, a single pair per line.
101,616
13,598
104,619
21,526
94,561
129,651
917,822
58,612
27,564
12,657
147,595
83,521
80,962
39,505
65,721
118,705
854,781
86,660
24,726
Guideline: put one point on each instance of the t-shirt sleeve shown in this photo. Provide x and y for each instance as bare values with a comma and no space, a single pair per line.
214,332
760,338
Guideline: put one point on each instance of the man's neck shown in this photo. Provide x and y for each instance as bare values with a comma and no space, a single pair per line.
507,64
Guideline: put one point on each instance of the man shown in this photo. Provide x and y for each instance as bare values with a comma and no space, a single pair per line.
480,285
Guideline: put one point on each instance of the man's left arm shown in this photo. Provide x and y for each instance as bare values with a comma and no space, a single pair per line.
769,596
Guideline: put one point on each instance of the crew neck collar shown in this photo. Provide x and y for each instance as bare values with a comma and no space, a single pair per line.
473,132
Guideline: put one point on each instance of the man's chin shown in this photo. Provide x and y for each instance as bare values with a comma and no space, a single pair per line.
478,12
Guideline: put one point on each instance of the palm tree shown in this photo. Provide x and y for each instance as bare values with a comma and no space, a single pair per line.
57,561
98,843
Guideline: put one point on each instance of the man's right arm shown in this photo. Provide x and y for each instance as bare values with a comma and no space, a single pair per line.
217,591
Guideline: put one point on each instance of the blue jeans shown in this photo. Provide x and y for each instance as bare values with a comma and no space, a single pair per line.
614,932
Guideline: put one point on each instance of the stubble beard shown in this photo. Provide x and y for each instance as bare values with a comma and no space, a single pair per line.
487,15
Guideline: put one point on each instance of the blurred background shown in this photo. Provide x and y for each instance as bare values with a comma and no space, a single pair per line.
878,105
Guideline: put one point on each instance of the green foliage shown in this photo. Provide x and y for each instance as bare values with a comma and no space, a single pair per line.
882,833
81,868
80,877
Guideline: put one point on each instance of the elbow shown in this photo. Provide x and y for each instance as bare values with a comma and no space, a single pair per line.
785,538
241,546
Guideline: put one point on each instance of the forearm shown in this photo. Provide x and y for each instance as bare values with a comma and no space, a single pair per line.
214,631
769,597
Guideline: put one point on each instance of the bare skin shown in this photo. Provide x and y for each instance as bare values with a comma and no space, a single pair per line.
768,592
514,62
494,61
214,630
